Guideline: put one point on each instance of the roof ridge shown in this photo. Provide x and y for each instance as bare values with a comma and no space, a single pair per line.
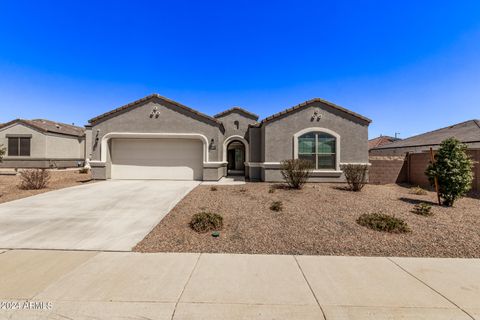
148,97
58,122
238,108
308,102
407,140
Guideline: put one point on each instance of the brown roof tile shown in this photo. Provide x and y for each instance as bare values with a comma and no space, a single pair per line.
380,141
237,109
468,131
309,102
146,99
49,126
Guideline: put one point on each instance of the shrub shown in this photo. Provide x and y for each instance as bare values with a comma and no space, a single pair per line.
271,190
276,206
2,152
418,191
34,179
243,190
213,188
383,222
295,172
356,175
453,170
84,171
423,209
206,221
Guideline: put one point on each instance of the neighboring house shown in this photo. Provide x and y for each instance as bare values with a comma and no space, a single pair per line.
157,138
380,141
467,132
42,144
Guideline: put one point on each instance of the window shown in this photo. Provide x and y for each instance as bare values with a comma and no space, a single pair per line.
236,124
18,146
319,148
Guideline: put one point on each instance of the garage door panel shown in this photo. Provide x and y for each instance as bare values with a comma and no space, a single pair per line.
170,159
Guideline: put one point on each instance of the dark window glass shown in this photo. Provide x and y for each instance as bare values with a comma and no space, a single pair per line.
319,148
25,146
13,146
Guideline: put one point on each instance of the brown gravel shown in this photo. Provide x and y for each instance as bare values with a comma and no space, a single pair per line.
59,179
318,220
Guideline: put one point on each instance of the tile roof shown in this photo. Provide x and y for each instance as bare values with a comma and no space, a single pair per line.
49,126
309,102
146,99
468,131
237,109
380,141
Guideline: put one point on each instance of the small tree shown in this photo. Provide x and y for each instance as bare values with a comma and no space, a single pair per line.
453,169
295,172
356,175
2,152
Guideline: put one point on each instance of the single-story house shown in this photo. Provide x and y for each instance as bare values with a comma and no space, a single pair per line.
42,143
158,138
380,141
467,132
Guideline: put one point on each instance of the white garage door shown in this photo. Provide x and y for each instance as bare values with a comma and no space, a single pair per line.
168,159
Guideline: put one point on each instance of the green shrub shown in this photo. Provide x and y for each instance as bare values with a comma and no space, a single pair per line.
34,179
423,209
2,152
276,206
453,169
418,191
213,188
383,222
295,172
206,221
271,189
356,175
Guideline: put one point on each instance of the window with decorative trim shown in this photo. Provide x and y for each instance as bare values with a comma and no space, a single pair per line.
319,148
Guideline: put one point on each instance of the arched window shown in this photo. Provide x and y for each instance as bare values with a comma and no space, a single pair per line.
236,124
319,148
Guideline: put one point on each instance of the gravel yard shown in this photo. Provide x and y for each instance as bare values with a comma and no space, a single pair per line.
59,179
318,220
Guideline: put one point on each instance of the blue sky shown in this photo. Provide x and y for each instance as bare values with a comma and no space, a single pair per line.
411,66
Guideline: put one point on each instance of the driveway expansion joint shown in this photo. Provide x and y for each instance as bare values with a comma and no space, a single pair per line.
430,287
186,283
310,287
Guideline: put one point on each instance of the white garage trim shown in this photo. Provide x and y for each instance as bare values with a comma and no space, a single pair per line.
236,138
132,135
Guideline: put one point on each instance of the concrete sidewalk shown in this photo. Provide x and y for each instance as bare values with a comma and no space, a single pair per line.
111,285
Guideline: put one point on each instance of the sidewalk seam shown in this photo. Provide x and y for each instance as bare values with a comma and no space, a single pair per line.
430,287
185,286
310,287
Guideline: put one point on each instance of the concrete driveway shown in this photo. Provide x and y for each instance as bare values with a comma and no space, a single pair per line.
109,215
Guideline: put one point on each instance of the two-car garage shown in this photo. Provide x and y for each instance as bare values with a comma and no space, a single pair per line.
156,158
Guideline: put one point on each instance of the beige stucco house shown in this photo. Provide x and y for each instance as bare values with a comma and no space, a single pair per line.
158,138
42,143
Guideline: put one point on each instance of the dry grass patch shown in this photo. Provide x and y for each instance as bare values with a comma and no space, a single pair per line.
319,219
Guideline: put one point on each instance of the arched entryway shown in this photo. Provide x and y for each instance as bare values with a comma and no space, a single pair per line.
236,158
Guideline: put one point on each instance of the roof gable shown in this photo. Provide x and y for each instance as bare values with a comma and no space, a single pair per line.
45,126
468,131
309,103
238,110
149,98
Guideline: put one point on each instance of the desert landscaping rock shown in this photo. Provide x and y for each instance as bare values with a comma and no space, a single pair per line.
58,180
318,220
